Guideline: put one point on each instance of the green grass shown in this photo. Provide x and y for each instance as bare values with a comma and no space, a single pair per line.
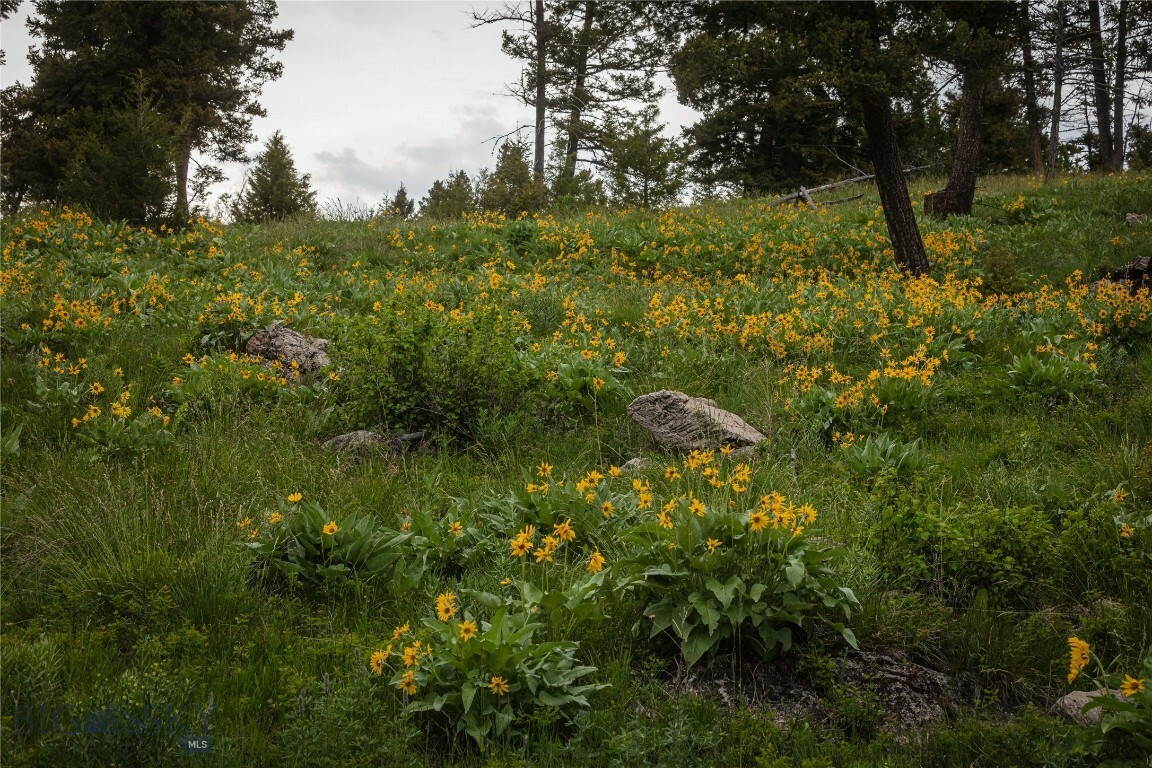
126,583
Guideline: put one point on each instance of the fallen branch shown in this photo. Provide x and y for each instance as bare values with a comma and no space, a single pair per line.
806,194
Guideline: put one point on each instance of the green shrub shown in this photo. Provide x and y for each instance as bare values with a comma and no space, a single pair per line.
484,678
413,367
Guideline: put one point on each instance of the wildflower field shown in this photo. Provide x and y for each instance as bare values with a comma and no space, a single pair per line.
958,475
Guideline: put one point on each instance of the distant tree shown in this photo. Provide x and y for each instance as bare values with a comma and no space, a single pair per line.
511,188
645,169
401,205
603,56
531,46
449,199
974,38
273,189
1140,147
203,64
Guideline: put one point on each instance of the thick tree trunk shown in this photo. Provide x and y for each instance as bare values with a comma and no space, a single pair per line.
1057,96
1031,108
956,197
1100,84
1118,89
578,96
893,187
541,94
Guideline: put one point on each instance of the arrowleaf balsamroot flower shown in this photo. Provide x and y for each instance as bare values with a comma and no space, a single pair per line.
295,497
498,685
1131,686
331,528
1078,656
596,562
445,605
467,629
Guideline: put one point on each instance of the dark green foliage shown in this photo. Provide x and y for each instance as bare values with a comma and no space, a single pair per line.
273,189
645,169
422,369
196,68
449,199
510,189
401,205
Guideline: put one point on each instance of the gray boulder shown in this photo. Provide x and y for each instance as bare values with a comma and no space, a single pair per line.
1071,704
685,423
288,346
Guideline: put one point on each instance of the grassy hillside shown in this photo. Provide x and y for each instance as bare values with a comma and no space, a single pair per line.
958,475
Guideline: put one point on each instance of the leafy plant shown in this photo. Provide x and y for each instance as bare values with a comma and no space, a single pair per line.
879,452
716,573
484,678
301,544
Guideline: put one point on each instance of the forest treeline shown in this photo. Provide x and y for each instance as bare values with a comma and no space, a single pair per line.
131,104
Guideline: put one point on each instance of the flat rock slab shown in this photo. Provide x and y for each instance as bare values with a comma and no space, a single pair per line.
685,423
288,346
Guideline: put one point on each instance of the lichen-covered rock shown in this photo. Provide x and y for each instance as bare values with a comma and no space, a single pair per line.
1071,705
1136,219
360,441
686,423
287,346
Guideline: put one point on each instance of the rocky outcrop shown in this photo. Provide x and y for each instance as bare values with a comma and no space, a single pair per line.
308,353
685,423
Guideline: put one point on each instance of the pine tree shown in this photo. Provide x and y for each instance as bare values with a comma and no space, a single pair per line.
645,169
450,199
511,188
203,63
401,205
273,189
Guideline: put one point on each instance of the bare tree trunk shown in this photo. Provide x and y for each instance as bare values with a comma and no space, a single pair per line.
541,94
1100,84
1031,108
1118,90
893,187
183,160
1057,86
956,197
578,95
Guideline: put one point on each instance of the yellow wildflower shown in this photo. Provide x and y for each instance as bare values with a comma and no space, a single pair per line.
1078,656
1131,686
596,563
467,629
445,605
498,685
331,528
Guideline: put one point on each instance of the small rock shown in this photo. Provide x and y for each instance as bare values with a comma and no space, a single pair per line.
360,441
1136,219
638,464
1071,706
363,441
686,423
288,346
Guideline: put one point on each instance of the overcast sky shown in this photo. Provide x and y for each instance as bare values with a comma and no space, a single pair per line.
377,93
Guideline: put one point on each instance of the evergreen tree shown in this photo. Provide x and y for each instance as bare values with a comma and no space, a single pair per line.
645,169
203,64
450,199
511,188
273,189
401,205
